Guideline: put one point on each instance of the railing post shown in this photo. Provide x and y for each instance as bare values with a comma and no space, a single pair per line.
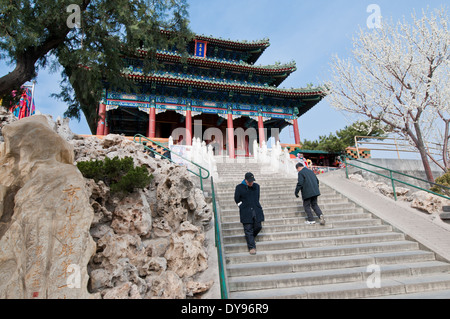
201,178
393,186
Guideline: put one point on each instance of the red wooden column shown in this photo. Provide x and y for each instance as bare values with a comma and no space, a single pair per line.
262,136
230,133
296,132
101,120
188,127
152,122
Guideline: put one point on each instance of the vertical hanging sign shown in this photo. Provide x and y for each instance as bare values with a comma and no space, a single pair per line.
200,48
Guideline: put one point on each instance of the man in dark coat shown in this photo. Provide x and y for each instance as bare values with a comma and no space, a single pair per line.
246,196
308,184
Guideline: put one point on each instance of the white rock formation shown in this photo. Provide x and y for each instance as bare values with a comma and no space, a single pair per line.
45,215
64,236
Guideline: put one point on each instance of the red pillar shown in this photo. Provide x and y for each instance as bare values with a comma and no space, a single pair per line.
101,120
262,136
230,133
152,123
188,127
296,132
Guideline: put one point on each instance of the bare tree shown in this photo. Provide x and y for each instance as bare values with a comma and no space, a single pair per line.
399,74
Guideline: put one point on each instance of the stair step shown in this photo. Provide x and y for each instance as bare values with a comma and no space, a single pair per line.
353,290
303,265
269,205
312,233
333,276
286,212
333,221
338,220
318,252
272,245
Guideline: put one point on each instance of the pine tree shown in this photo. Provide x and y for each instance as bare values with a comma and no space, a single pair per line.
88,38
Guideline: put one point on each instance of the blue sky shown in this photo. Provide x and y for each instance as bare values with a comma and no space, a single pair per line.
308,32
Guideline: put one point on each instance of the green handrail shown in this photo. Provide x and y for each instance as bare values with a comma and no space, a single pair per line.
390,177
223,281
200,168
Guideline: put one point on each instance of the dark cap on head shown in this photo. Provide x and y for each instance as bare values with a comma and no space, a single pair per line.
249,177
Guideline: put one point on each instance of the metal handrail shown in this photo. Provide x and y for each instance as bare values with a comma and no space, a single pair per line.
223,281
394,179
200,168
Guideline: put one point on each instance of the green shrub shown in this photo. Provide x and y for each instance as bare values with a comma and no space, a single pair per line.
119,174
444,180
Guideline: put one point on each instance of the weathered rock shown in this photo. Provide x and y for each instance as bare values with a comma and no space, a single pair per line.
133,216
186,255
45,244
166,286
427,202
149,244
6,118
194,288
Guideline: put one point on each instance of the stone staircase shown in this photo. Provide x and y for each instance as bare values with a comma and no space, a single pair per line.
339,260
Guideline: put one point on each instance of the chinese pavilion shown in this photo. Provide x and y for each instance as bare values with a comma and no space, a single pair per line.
217,87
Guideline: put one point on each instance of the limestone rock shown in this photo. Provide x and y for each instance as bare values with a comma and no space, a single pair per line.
166,286
194,288
133,216
186,255
149,244
45,244
427,202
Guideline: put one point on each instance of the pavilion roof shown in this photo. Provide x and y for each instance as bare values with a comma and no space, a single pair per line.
276,69
220,84
235,44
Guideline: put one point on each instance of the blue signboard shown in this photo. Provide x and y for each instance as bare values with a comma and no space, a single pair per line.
200,48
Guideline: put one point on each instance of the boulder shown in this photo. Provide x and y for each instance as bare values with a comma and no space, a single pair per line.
427,202
45,215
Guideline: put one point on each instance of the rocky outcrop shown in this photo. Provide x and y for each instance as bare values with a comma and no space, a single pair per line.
150,244
420,200
45,215
6,118
64,236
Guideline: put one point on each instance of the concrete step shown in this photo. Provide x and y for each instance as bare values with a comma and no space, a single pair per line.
304,265
295,224
293,212
273,245
434,294
286,212
231,205
333,276
313,233
282,196
319,252
353,290
286,198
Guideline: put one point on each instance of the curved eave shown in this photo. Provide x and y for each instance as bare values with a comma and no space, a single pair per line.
227,87
265,43
263,70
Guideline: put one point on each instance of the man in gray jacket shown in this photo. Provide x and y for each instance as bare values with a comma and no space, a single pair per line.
308,184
